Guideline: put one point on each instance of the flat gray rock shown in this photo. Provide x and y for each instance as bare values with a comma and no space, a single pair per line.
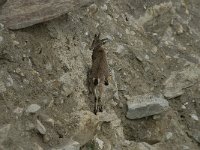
146,105
33,108
17,14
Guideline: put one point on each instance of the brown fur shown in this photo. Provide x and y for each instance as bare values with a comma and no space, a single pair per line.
99,73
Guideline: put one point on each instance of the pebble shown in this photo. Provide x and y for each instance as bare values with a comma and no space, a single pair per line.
183,107
100,143
195,117
169,135
40,127
33,108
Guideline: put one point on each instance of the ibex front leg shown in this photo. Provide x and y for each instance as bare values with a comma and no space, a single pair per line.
98,100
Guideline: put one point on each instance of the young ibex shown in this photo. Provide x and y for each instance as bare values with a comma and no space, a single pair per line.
99,73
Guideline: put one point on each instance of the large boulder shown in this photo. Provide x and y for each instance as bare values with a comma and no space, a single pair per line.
17,14
146,105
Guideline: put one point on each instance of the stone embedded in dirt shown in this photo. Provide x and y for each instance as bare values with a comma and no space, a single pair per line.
4,132
33,108
146,105
17,14
195,117
178,81
71,145
40,127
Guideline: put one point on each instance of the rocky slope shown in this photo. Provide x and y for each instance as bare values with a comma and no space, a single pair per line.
154,58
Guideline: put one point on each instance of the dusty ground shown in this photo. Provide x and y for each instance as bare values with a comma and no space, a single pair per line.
47,65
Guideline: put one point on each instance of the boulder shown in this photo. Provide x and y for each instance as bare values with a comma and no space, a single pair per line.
17,14
146,105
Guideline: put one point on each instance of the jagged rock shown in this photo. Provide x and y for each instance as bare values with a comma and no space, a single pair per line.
146,105
4,132
87,127
17,14
71,145
40,127
178,81
33,108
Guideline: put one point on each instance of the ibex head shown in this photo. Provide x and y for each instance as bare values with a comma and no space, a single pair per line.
97,42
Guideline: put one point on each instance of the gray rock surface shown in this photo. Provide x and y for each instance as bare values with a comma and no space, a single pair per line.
33,108
17,14
146,105
40,127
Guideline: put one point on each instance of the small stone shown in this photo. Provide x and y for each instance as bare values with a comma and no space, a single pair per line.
18,110
146,57
15,43
169,135
146,105
40,127
195,117
100,143
156,117
33,108
4,132
183,107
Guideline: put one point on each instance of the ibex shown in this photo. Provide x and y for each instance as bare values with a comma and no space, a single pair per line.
99,73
